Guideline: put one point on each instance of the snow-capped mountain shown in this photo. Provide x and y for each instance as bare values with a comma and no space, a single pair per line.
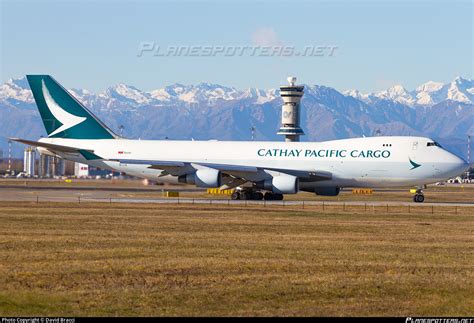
209,93
427,94
398,94
175,94
16,91
357,95
126,93
461,90
212,111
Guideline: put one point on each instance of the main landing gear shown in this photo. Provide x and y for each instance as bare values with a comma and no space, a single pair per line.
250,194
419,197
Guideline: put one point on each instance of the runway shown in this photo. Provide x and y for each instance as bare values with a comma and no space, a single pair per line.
125,195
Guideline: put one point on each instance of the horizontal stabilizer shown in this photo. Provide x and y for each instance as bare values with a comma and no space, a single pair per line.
88,154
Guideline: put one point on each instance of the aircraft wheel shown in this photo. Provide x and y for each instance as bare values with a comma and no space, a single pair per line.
419,198
278,197
258,196
245,195
235,196
273,196
268,196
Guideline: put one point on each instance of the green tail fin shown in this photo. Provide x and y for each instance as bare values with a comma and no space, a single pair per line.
63,116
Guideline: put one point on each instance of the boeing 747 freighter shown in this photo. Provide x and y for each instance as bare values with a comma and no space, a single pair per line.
268,169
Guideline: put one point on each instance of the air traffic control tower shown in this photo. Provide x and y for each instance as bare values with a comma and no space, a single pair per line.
290,110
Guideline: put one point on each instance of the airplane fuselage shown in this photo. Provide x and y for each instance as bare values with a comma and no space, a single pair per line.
358,162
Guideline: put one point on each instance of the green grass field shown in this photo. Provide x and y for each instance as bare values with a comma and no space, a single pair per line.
122,259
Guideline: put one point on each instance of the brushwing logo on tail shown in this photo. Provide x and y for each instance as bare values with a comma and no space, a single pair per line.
67,119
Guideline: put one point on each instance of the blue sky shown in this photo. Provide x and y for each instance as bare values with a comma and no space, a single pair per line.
94,44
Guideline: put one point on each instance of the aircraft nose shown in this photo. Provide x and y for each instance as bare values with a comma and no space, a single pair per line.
459,165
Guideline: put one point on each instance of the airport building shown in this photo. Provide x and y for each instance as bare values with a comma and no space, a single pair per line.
44,169
81,170
29,160
50,166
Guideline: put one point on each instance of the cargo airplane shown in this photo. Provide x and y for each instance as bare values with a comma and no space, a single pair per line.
266,169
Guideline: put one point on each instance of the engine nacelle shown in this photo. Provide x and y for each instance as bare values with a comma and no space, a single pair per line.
327,191
283,184
205,177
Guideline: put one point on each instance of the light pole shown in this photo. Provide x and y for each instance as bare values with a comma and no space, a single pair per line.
468,172
252,129
9,156
469,149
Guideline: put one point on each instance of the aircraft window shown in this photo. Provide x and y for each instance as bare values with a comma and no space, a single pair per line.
434,143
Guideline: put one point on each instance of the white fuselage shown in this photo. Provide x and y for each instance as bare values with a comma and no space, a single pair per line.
357,162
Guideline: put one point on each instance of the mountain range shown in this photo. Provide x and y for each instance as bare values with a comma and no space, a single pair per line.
206,111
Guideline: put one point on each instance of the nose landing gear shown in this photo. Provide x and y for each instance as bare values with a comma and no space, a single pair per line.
419,197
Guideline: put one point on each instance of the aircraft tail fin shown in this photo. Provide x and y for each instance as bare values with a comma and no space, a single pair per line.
62,114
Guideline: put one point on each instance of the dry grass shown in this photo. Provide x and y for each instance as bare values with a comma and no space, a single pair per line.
98,183
122,259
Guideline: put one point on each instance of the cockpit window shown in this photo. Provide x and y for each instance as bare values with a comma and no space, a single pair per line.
433,143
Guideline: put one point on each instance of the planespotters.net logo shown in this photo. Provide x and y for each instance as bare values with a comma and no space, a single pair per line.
153,49
438,320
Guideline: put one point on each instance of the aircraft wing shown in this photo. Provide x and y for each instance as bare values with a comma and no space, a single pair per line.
165,165
234,175
87,153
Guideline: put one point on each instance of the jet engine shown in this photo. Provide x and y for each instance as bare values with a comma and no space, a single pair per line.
327,191
205,177
283,184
